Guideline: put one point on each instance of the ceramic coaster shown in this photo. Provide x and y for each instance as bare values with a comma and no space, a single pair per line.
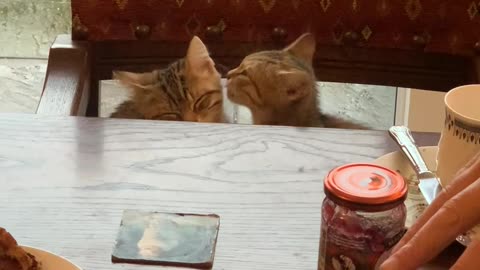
185,240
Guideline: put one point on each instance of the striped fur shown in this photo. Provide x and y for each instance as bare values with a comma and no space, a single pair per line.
187,90
161,97
279,87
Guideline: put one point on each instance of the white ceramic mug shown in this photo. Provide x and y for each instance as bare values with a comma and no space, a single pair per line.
460,140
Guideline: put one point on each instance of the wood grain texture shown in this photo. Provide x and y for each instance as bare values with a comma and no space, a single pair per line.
65,182
67,83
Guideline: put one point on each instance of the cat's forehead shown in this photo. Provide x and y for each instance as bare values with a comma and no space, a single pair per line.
267,57
277,58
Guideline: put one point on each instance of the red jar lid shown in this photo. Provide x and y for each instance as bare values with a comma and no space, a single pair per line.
366,184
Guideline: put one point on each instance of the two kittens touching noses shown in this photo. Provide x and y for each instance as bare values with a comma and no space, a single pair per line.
279,87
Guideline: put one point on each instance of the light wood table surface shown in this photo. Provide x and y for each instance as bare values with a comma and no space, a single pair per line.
64,183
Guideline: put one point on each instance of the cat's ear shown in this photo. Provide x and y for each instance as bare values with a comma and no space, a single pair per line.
198,60
135,79
303,47
296,84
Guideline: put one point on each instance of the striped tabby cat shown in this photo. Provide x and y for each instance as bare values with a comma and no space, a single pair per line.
187,90
279,87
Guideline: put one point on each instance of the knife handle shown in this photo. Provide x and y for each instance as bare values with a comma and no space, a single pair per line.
404,139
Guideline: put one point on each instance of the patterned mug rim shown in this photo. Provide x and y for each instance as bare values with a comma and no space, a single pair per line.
463,119
461,129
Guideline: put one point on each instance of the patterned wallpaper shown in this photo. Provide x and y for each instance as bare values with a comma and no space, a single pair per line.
433,25
28,27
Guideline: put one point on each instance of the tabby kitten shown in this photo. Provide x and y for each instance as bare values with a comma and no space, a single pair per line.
188,90
279,87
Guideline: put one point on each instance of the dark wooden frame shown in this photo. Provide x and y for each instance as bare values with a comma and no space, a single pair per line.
76,67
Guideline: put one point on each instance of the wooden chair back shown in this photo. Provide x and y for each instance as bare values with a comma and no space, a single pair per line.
429,44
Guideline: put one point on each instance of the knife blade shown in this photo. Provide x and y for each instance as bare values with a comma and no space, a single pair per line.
429,183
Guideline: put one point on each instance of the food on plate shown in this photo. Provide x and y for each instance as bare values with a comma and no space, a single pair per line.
14,257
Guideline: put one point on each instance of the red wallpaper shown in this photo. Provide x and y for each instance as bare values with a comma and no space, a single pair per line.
451,26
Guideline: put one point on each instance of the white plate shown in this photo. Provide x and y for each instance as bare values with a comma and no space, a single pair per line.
415,202
51,261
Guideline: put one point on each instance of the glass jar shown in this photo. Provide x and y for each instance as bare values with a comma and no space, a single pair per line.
363,216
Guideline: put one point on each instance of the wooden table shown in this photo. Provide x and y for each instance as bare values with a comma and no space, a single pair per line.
64,183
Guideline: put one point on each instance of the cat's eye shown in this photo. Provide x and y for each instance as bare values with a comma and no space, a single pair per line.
168,117
291,91
207,101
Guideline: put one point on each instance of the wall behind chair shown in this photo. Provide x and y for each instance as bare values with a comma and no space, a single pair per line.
420,110
28,27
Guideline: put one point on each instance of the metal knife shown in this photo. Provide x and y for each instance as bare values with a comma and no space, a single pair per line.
429,183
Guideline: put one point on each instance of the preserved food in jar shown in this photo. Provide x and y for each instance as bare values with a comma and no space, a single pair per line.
363,216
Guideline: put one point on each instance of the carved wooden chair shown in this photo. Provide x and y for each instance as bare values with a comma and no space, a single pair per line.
428,44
